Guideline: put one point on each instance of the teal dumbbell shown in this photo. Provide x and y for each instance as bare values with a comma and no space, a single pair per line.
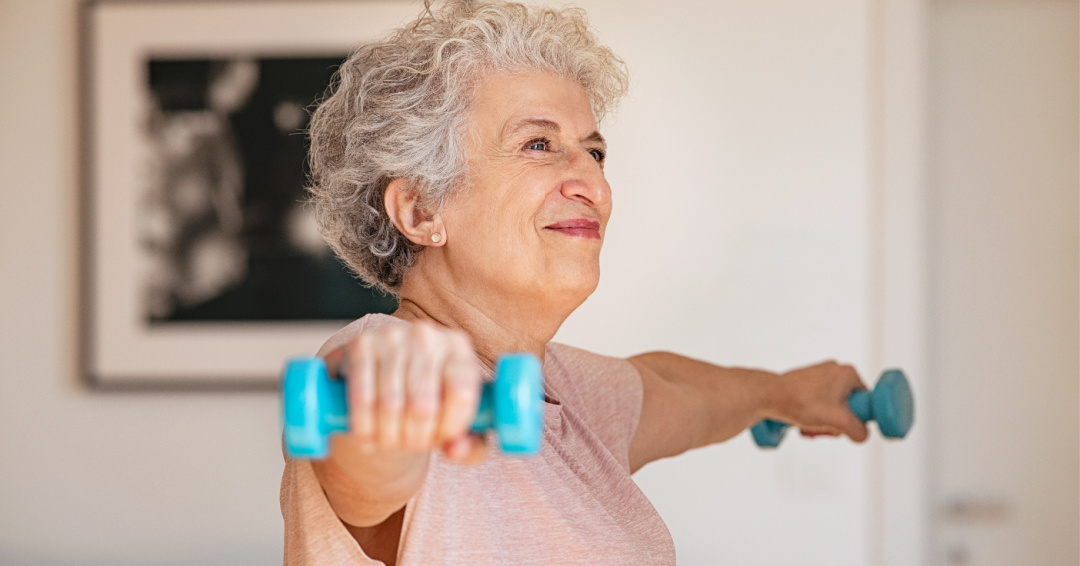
890,404
314,406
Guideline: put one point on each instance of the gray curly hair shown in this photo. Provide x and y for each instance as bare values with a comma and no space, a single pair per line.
398,107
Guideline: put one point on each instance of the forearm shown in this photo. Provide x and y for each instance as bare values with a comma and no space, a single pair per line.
717,402
365,488
689,403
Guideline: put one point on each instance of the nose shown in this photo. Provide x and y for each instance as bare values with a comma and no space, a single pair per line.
585,182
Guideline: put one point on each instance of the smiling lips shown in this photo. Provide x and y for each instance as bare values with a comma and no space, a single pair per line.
578,227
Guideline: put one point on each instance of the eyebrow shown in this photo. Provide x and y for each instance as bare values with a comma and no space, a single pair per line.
547,125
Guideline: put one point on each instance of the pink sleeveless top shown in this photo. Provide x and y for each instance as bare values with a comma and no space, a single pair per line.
574,503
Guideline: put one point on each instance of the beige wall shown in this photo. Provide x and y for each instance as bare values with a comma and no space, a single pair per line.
89,478
1006,269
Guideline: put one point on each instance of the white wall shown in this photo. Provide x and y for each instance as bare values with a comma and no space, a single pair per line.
741,235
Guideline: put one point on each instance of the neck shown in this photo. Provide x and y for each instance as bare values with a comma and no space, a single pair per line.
495,323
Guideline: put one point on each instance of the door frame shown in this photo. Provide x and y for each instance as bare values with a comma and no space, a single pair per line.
898,496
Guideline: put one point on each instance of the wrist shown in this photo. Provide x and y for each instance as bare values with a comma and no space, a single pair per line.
384,471
364,488
775,398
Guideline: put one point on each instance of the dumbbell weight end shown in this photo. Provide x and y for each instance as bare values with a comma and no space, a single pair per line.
890,404
314,406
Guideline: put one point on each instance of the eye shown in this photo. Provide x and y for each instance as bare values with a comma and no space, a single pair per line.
598,155
539,144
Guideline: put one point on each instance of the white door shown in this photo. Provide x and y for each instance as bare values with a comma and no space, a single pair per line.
1004,264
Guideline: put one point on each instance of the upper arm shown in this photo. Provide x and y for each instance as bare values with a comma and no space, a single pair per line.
670,421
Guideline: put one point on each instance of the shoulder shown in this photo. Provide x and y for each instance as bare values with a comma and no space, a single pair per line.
605,391
580,373
354,328
584,361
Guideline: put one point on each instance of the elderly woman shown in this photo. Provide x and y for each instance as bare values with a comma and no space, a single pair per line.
458,165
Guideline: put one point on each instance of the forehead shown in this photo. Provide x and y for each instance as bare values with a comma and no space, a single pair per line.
504,103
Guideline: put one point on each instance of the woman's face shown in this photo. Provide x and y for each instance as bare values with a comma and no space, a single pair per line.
529,222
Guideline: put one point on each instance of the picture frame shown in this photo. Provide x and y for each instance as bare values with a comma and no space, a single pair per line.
184,284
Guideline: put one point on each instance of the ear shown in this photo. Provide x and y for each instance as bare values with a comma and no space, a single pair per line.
417,225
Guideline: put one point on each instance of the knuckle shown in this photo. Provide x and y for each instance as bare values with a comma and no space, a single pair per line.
418,335
460,340
394,335
424,412
460,389
346,357
389,430
364,435
425,390
421,358
362,428
362,396
391,401
360,347
423,407
353,346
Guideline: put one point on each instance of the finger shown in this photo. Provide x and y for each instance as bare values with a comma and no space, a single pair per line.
812,431
358,369
457,448
469,449
477,450
854,428
334,361
826,365
390,387
461,382
422,385
849,422
852,381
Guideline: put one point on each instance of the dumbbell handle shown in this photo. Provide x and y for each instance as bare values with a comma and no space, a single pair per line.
890,404
315,407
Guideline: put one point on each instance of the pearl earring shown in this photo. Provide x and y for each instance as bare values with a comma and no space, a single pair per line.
436,237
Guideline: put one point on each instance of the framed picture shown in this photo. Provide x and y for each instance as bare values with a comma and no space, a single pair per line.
203,266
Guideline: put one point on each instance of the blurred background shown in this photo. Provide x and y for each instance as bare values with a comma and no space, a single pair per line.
891,183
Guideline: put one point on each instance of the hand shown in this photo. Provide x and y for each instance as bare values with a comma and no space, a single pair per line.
818,401
411,389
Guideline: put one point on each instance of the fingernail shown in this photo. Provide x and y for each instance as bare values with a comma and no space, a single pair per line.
455,450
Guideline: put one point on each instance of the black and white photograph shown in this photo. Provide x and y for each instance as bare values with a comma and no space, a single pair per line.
203,264
225,222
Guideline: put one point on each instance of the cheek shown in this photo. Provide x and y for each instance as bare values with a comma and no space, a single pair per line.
485,233
501,217
515,212
496,223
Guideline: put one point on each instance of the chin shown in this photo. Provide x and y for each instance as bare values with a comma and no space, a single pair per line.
581,281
